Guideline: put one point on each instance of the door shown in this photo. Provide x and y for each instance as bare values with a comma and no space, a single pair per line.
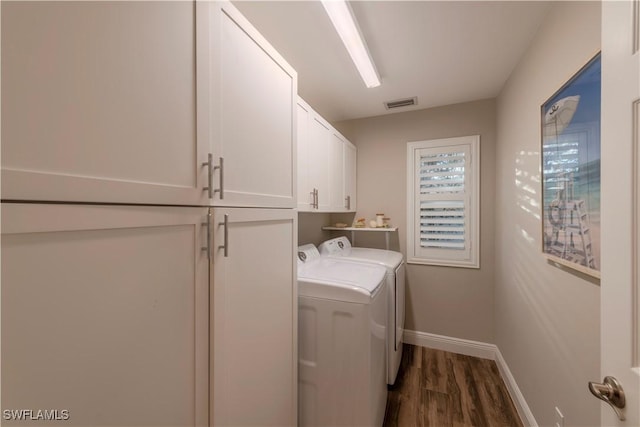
350,160
337,200
620,287
101,102
306,199
319,141
105,314
254,317
254,93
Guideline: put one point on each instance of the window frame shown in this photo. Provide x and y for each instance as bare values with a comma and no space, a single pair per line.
471,197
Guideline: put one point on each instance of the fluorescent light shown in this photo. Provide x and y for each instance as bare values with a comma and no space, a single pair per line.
345,24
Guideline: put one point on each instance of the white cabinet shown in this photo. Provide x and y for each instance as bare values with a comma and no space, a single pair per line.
313,159
105,313
318,164
125,102
336,173
104,101
254,322
106,310
306,193
350,160
253,105
326,165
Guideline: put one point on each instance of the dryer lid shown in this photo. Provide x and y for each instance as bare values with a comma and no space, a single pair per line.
339,278
341,248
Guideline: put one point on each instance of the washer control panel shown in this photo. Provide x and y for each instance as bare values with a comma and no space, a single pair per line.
307,253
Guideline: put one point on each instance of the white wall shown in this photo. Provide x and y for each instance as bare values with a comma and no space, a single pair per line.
310,227
449,301
547,320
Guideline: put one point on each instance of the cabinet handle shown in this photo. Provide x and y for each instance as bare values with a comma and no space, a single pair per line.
225,223
314,198
208,246
210,170
348,202
209,165
221,167
316,203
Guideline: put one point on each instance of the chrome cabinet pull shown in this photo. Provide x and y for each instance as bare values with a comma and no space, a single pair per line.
209,165
611,392
211,168
347,202
221,168
225,223
208,246
314,198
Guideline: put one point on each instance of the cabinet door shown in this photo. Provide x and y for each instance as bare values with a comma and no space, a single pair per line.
336,173
254,322
350,160
319,140
305,190
99,101
254,94
105,313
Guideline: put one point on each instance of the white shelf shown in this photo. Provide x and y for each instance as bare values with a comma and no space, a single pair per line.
387,229
353,230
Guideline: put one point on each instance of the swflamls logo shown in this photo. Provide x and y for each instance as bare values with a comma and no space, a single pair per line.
35,414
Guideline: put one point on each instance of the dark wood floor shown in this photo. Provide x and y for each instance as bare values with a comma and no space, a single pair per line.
437,388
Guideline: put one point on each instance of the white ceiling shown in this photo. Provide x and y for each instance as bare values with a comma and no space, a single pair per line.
443,52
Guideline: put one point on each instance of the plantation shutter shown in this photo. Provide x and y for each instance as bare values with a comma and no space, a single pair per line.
444,212
442,199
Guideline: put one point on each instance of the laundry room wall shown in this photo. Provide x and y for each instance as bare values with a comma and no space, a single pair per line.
310,227
456,302
547,320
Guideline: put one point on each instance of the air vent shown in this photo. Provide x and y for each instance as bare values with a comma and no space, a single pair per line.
401,103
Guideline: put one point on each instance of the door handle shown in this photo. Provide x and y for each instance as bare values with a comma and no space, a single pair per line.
225,246
208,246
220,167
211,168
209,165
611,392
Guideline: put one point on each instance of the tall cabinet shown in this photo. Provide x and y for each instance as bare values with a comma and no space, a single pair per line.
135,138
254,298
105,313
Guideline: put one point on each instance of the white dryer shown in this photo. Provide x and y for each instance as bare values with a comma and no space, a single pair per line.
340,248
341,341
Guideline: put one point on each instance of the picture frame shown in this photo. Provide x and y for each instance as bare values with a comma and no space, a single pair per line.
570,171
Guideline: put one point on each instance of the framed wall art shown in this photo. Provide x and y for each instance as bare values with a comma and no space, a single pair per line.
570,155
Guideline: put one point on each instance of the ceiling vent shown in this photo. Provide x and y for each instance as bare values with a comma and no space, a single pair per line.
389,105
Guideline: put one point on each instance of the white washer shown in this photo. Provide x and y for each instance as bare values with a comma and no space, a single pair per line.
340,248
341,341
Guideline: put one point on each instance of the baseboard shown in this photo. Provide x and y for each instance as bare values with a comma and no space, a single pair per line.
454,345
516,395
483,351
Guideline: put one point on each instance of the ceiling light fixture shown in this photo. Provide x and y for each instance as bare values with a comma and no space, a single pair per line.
345,24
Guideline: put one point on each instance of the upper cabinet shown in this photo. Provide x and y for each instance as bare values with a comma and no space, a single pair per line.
125,102
313,159
99,102
350,160
326,165
253,116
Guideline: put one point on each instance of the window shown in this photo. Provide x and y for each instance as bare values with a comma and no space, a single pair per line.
443,188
